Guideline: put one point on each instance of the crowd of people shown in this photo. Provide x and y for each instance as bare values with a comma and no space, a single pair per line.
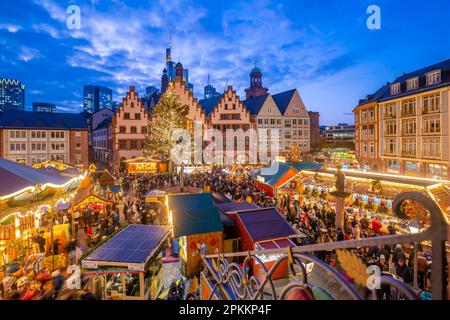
312,216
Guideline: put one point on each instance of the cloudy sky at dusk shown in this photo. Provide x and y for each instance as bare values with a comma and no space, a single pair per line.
323,48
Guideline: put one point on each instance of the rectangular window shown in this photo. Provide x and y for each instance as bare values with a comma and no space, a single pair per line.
144,129
409,126
133,129
126,116
433,77
137,116
122,144
395,88
409,147
133,144
390,147
408,107
431,103
437,171
393,166
122,129
431,124
390,111
432,147
390,128
412,84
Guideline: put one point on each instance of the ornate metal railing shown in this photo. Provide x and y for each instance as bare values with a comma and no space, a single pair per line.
231,280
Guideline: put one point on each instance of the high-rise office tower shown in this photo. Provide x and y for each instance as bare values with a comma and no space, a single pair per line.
12,95
96,98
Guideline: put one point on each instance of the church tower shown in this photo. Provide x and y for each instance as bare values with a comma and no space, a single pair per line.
164,81
256,88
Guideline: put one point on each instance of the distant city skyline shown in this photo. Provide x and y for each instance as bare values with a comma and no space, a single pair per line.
310,46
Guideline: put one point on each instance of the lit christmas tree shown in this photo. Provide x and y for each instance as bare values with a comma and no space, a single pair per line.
168,115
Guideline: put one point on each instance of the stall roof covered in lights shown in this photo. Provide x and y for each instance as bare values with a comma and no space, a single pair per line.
194,214
16,177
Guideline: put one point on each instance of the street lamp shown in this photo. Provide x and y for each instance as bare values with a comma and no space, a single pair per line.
415,227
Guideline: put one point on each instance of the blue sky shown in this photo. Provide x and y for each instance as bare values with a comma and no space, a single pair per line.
323,48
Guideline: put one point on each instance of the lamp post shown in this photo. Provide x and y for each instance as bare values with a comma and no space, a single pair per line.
415,227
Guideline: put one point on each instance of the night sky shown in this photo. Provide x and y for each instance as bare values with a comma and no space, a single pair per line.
323,48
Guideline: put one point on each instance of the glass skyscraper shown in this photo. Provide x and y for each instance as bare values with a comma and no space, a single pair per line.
96,98
12,95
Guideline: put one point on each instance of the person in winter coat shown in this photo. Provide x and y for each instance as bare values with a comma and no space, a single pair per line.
403,271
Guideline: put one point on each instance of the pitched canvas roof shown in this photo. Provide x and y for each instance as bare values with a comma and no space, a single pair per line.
43,120
194,214
15,176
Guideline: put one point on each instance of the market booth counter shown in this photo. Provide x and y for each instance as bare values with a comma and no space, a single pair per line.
265,228
129,265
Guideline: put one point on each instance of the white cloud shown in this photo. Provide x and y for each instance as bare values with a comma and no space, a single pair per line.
27,54
46,28
127,44
10,27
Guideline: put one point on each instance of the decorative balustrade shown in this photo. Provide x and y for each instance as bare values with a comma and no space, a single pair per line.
231,280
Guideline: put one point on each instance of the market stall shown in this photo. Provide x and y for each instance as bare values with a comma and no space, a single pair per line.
143,165
265,228
129,265
271,178
197,226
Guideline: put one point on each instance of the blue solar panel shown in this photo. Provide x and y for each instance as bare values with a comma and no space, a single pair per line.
134,244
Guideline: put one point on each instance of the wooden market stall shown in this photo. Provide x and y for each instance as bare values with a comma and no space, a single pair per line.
143,165
265,228
85,197
129,265
271,178
197,226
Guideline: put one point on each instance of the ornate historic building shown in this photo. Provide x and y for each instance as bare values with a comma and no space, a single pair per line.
228,112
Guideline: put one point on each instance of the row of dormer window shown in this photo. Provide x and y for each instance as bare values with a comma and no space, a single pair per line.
432,78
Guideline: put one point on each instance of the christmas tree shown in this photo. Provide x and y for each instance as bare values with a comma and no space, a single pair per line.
168,114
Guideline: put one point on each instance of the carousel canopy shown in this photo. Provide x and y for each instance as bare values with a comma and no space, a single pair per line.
134,244
266,224
15,177
194,214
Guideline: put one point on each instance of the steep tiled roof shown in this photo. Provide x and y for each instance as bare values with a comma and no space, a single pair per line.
42,120
209,104
283,99
104,123
384,93
254,105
